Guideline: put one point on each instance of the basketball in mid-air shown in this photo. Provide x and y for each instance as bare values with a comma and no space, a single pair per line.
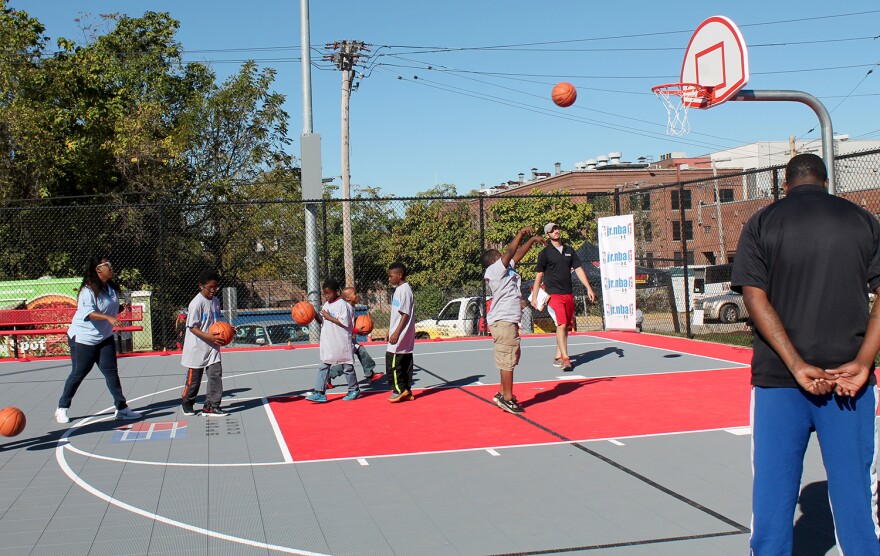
12,421
564,94
223,330
303,312
363,324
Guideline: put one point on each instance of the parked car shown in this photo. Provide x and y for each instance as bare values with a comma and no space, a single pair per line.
458,318
269,334
727,307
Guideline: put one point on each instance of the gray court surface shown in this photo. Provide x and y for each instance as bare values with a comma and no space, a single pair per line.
224,486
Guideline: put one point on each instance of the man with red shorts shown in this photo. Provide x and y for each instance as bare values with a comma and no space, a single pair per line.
555,263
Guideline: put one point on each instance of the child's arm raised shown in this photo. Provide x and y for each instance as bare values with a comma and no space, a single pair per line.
511,251
524,248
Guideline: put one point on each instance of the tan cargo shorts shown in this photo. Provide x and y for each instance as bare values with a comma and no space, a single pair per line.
505,335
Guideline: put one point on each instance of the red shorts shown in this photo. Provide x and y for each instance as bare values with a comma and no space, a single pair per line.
562,305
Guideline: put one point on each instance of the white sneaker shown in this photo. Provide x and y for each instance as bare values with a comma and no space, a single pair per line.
61,415
127,414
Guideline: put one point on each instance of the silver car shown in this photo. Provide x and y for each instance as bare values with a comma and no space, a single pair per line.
727,307
269,334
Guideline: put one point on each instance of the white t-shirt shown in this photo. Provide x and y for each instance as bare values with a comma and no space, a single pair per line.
336,348
504,283
402,302
197,353
91,332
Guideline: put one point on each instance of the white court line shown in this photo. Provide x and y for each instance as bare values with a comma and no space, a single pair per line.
363,461
62,462
570,377
737,363
739,431
616,442
285,451
493,452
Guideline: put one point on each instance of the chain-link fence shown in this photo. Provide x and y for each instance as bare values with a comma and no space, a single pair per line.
686,237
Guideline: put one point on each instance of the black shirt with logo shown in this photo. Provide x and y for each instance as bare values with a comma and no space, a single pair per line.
815,255
557,268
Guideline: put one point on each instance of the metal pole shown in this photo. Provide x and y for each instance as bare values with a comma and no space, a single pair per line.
482,308
684,254
818,108
311,217
722,247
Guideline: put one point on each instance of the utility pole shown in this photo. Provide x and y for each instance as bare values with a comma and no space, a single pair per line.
346,56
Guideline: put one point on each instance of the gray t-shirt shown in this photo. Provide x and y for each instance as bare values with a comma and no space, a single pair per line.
504,283
402,302
197,353
336,348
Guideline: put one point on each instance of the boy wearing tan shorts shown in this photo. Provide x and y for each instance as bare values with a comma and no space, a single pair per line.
506,311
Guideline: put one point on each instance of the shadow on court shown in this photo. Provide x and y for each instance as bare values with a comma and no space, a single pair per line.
586,357
814,529
561,389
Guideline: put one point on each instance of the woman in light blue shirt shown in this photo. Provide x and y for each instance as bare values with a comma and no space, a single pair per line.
91,338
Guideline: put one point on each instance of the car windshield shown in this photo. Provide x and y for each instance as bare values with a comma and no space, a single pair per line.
281,333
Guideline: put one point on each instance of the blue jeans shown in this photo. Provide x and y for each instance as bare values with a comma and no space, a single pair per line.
366,360
83,358
324,373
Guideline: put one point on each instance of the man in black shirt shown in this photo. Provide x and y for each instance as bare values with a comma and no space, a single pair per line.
555,263
804,265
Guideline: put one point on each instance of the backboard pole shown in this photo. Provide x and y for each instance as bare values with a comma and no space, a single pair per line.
818,108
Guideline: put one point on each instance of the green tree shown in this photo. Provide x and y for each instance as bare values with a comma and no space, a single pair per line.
438,240
506,216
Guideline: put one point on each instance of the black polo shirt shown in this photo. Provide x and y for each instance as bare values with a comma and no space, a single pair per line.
815,255
557,267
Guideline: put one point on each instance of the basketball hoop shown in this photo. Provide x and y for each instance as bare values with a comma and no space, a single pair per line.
676,99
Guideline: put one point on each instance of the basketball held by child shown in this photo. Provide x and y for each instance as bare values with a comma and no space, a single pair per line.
303,312
222,330
363,324
564,94
12,421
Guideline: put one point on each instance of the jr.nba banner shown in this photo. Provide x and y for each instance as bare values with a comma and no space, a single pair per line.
618,269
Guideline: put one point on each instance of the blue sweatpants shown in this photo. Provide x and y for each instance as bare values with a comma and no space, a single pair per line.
782,421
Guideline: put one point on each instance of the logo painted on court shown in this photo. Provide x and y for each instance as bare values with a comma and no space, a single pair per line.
168,430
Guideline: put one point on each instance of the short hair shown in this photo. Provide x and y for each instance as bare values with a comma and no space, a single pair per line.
487,256
330,284
806,166
398,266
206,276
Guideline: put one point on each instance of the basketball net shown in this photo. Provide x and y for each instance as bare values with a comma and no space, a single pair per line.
676,99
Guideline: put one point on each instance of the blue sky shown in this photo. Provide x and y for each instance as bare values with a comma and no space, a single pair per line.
479,117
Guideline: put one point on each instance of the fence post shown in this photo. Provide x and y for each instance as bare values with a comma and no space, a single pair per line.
482,307
775,184
161,318
324,236
617,201
684,259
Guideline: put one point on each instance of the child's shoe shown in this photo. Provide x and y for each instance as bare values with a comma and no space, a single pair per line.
317,397
214,411
353,395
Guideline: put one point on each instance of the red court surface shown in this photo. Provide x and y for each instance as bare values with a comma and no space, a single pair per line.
444,419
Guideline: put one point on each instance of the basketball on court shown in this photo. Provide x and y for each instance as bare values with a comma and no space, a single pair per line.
222,330
12,421
564,94
303,312
363,324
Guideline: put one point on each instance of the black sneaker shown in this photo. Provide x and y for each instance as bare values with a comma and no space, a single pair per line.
214,411
510,406
188,408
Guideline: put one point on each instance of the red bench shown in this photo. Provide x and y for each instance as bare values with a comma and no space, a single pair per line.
17,323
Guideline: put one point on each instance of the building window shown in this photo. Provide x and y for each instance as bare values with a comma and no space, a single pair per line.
726,195
685,199
688,230
676,258
647,232
641,201
649,260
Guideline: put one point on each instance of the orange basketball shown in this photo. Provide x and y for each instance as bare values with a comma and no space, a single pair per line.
12,421
303,312
564,94
224,330
363,324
